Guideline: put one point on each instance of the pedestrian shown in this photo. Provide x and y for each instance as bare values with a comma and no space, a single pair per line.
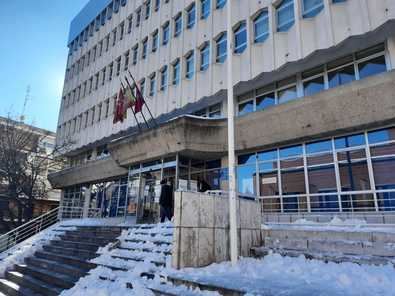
165,201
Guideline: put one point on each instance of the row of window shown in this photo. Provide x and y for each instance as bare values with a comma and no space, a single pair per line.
339,72
349,173
118,34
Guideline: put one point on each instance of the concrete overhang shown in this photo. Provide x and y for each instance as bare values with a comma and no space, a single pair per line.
92,171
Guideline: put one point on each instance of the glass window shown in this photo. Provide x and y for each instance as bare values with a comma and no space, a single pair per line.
247,158
155,41
291,151
190,66
261,27
178,25
138,17
135,54
381,136
205,57
246,107
285,15
163,78
265,101
221,48
240,38
293,181
220,4
147,9
176,72
191,16
165,33
312,7
246,176
317,147
152,86
287,94
214,111
341,76
372,67
313,86
350,141
205,6
157,5
267,155
144,51
338,1
322,179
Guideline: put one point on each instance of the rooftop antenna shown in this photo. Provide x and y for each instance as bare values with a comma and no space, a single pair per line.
27,98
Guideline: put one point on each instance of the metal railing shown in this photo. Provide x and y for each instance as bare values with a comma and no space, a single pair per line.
27,230
68,212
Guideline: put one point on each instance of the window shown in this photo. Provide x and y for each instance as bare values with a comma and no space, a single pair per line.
103,76
142,86
135,54
246,107
100,48
214,111
338,1
311,8
122,29
176,72
240,38
163,78
155,41
147,9
97,81
372,67
157,5
138,17
177,25
341,76
285,15
130,24
265,101
111,71
221,48
152,85
118,71
287,94
144,51
116,6
126,65
190,65
205,8
107,108
165,33
261,27
313,86
205,57
93,116
114,37
220,4
191,16
107,42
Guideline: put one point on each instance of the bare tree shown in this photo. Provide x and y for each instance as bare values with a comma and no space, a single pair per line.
24,164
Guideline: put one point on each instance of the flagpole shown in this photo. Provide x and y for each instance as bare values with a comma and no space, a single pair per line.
134,114
153,118
142,114
231,142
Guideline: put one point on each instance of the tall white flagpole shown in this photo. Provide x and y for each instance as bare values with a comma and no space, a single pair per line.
231,141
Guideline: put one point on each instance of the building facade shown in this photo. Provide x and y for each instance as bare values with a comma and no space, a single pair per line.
314,89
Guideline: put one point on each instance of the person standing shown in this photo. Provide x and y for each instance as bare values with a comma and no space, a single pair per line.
165,201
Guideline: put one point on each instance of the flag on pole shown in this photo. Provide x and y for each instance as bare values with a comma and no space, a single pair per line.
119,112
130,97
139,103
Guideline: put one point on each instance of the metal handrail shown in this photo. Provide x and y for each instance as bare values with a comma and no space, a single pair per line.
27,230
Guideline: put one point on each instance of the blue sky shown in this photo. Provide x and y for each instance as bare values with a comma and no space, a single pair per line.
33,51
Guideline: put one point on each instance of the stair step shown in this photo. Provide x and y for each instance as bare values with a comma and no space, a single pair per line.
32,283
158,243
70,260
50,277
75,245
102,241
137,259
83,254
145,250
56,267
153,234
13,289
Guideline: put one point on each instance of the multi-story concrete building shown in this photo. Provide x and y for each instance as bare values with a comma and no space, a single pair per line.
313,81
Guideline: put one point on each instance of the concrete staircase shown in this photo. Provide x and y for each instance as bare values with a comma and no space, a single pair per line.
60,264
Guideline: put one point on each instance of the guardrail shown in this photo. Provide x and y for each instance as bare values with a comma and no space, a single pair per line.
28,229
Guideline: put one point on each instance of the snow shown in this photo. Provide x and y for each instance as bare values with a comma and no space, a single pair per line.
336,224
119,221
18,253
278,275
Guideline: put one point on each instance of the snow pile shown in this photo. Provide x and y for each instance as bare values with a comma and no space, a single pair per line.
118,221
18,253
278,275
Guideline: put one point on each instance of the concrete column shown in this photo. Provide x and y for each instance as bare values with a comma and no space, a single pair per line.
87,201
60,212
391,52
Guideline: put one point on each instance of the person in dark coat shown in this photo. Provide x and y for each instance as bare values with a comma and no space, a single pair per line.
165,201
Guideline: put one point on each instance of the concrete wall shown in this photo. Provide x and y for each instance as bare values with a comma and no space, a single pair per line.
201,234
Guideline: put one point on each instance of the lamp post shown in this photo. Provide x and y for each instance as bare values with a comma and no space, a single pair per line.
231,141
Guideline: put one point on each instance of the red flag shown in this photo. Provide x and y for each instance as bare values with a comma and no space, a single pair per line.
119,108
138,105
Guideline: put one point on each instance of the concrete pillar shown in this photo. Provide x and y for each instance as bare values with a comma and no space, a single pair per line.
391,52
87,201
60,212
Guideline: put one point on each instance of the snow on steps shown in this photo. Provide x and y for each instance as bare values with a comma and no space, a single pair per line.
58,264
